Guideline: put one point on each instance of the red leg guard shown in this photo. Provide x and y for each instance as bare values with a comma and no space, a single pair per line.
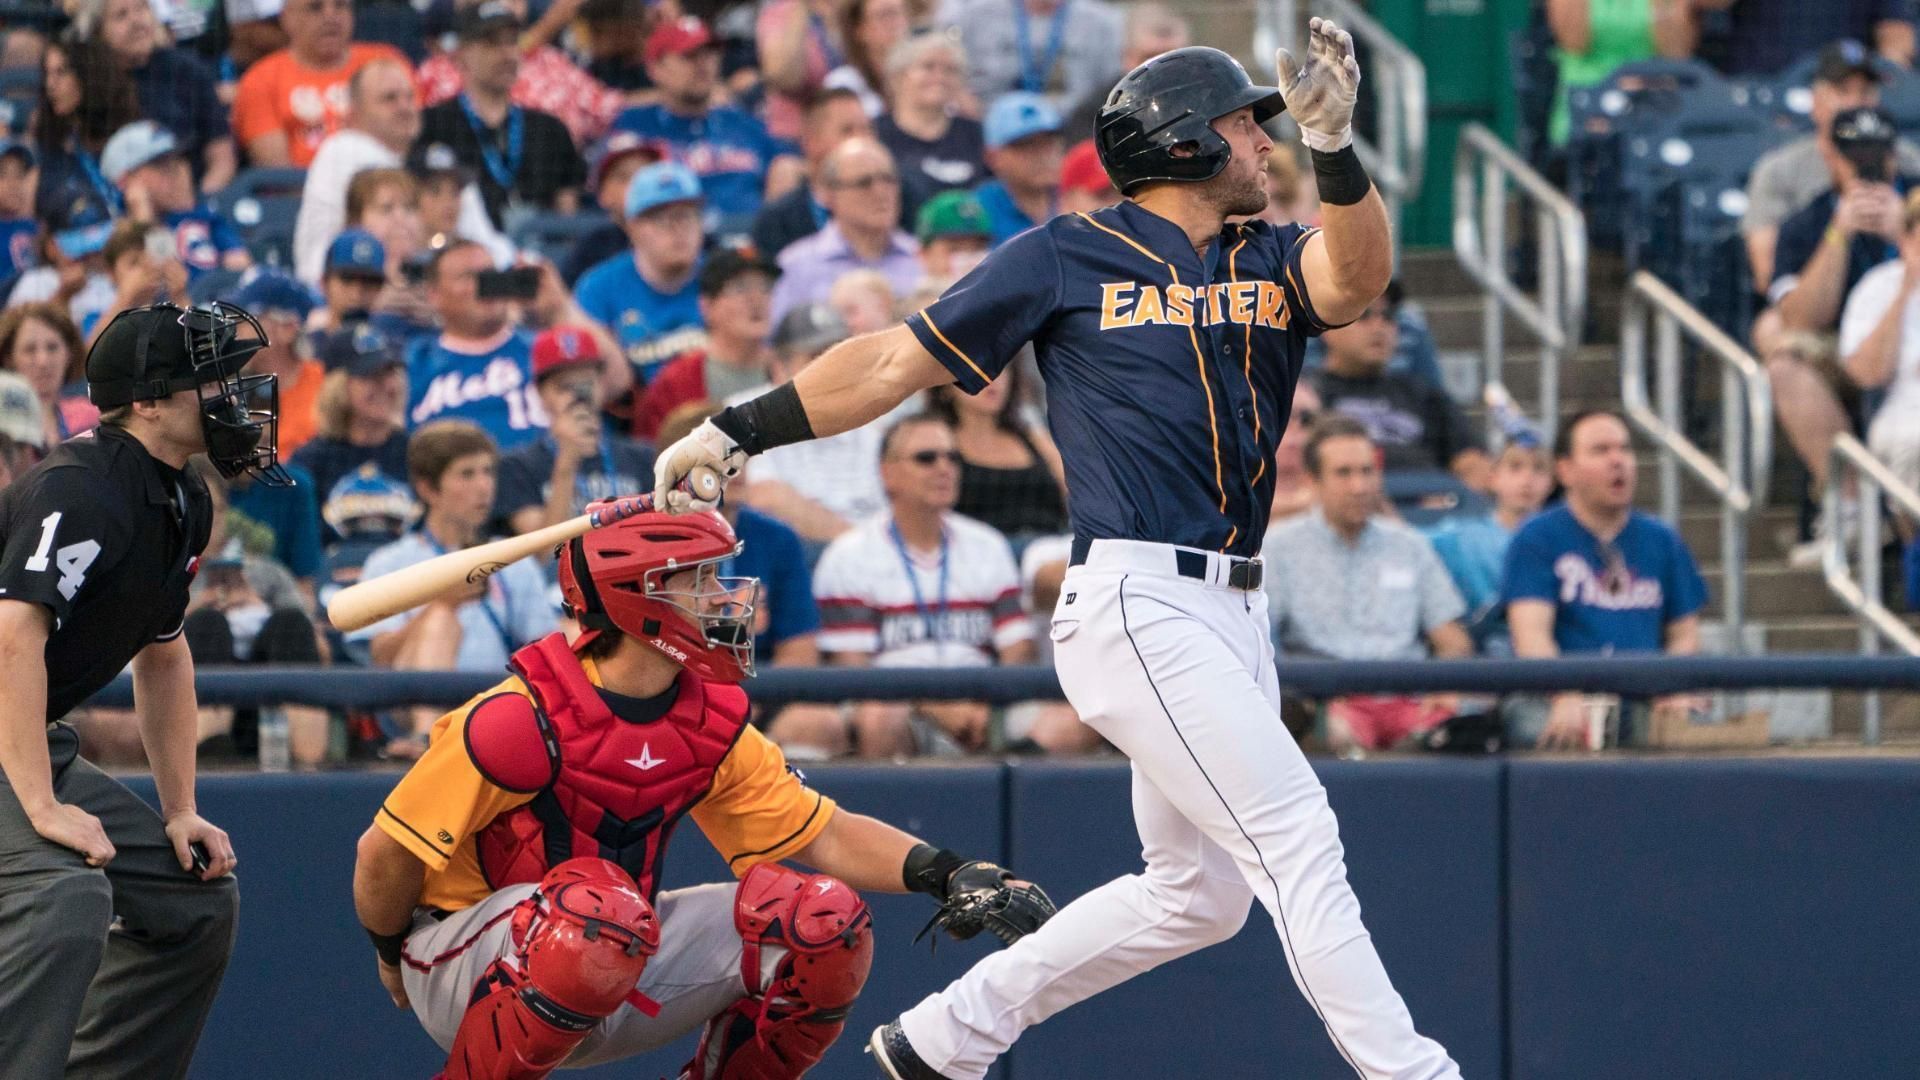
580,943
779,1031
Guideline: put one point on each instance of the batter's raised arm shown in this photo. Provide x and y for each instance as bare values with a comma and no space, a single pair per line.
1347,264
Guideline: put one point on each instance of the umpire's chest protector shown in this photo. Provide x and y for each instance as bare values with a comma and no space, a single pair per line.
603,787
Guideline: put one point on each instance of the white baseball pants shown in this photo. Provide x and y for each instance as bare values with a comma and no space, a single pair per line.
1178,673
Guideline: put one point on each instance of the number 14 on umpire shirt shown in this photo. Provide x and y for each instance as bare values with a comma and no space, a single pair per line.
1169,375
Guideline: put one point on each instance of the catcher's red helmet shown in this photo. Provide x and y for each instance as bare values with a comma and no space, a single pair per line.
616,578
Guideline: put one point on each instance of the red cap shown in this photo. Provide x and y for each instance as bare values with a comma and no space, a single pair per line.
563,347
676,37
1081,170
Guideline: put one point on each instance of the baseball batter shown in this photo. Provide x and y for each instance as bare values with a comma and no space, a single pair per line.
1171,342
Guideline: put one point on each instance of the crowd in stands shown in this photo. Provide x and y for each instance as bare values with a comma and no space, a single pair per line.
503,249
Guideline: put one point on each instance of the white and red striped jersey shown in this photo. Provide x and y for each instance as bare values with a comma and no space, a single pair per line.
869,604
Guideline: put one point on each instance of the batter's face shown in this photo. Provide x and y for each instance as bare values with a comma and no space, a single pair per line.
1241,187
1348,483
1599,471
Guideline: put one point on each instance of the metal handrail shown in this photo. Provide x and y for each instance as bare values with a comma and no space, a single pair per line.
1485,171
1739,479
1397,155
1873,481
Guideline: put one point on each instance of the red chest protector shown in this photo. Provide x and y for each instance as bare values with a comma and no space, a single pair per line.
603,787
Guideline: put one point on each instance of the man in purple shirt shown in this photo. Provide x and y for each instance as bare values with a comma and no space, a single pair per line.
860,188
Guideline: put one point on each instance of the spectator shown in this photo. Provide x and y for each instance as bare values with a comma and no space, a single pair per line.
72,267
870,30
1010,472
1414,355
554,477
1416,425
84,99
145,269
290,516
1025,153
291,100
23,438
739,164
1292,487
797,49
353,276
479,368
610,168
1084,184
861,191
548,80
921,586
937,149
145,163
380,123
736,291
228,35
1067,50
438,181
282,305
358,417
1594,575
1763,37
1292,195
19,184
1880,348
1590,43
1789,177
175,88
614,48
864,301
831,119
39,343
522,156
1151,28
954,235
1346,584
366,510
649,296
1474,549
1825,249
451,465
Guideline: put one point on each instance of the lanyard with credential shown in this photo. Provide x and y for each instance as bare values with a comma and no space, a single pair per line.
1033,77
499,627
938,614
504,170
98,180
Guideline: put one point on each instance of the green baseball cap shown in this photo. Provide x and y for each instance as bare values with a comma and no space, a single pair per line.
952,213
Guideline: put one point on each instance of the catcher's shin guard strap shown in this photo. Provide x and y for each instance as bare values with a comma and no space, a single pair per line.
1343,180
928,869
775,418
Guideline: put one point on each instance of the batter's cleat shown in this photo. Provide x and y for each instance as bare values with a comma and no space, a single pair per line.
889,1047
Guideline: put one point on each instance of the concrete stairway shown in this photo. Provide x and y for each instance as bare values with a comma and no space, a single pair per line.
1794,607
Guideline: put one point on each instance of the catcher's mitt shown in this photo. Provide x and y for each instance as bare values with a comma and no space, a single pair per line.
982,896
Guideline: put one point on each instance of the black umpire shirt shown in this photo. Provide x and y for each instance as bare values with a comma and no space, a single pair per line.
107,539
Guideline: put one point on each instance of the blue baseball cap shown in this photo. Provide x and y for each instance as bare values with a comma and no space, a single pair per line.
266,289
1017,115
142,142
357,253
361,349
12,147
660,184
80,221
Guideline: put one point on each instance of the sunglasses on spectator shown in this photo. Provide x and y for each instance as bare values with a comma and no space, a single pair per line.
871,180
934,457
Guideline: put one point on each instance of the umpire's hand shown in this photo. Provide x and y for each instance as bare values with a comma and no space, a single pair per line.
72,827
184,828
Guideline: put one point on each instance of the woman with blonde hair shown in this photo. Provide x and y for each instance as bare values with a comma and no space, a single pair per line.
359,409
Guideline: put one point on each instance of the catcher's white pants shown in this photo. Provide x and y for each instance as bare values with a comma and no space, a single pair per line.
1178,673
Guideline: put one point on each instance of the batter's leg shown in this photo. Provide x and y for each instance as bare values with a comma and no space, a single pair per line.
167,953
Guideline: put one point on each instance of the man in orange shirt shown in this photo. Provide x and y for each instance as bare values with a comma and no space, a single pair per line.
511,880
295,97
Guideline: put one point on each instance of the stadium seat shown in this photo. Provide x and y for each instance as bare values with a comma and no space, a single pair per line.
390,23
1536,79
214,285
551,234
263,204
19,97
1637,98
1426,497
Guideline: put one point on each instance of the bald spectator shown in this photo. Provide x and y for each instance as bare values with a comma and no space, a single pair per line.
861,190
936,149
1068,50
1025,153
831,119
382,120
287,104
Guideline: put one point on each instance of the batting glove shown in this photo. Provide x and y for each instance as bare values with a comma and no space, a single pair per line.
706,448
1321,95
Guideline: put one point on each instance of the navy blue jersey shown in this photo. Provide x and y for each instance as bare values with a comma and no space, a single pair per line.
1169,376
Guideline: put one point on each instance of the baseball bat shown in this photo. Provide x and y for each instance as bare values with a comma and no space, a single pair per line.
367,602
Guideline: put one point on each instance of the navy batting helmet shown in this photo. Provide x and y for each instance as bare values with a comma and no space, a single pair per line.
1172,99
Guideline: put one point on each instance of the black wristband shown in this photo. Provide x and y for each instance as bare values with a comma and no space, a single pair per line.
1343,180
775,418
928,869
388,946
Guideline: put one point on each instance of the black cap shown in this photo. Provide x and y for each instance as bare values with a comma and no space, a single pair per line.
484,20
1843,59
1863,127
143,354
428,161
728,263
808,328
360,350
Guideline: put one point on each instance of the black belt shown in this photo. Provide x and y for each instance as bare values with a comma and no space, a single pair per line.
1243,574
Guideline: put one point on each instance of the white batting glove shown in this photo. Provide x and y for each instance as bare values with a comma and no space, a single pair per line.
1321,95
701,463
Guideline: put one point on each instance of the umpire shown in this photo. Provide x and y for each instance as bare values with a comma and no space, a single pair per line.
116,923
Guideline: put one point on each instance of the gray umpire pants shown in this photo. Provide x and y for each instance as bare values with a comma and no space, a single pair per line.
104,972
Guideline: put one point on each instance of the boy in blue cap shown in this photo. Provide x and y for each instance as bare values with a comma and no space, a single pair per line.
19,180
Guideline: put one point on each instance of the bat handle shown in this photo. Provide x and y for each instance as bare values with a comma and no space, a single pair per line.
622,509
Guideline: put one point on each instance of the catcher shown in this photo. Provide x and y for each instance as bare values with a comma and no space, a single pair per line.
511,885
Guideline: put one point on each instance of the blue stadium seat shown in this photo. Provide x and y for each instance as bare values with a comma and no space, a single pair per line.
214,285
552,234
19,97
263,204
1637,98
1536,79
1426,497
